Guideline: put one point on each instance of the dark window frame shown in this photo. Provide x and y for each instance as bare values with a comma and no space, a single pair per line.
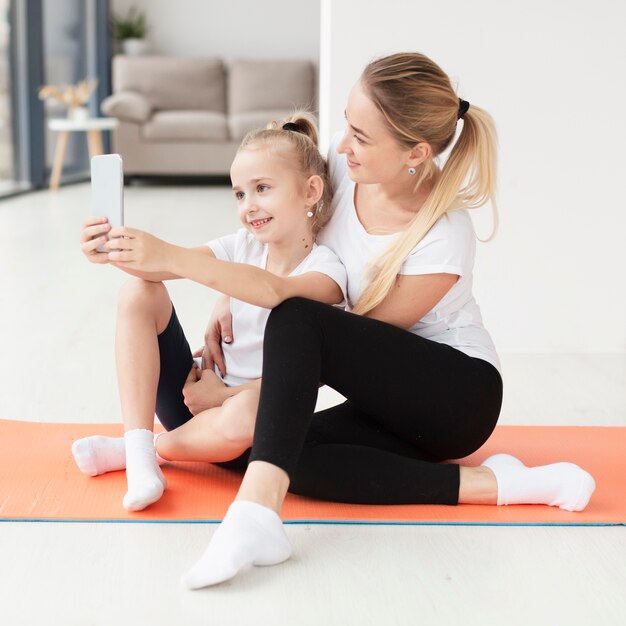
27,75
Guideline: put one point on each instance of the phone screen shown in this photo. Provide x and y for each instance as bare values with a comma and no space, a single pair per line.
107,188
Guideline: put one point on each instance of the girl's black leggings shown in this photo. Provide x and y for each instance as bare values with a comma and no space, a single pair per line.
411,403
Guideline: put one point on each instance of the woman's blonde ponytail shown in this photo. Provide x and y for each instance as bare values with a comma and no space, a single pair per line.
417,100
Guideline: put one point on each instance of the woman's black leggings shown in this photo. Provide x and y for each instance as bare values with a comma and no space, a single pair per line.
411,403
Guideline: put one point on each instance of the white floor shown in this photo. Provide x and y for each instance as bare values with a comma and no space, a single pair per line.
56,341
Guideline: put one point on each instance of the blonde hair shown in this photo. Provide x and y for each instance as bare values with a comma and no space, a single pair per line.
302,143
417,101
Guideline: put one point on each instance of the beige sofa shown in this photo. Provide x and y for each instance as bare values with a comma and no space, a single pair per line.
182,116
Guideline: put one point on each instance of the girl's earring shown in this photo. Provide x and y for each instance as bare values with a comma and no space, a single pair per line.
412,170
309,214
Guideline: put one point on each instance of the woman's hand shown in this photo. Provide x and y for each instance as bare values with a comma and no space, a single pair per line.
94,235
203,390
139,250
220,328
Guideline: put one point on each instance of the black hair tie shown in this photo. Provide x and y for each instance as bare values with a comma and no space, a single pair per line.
291,126
464,105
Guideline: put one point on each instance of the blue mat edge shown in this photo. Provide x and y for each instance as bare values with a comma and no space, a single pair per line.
312,521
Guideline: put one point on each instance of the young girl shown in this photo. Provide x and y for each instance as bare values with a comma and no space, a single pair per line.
283,197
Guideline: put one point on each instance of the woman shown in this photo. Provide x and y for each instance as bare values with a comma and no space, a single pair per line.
419,371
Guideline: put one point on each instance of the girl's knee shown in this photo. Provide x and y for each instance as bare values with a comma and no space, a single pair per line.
237,418
137,292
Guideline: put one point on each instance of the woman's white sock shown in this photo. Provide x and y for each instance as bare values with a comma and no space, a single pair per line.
560,484
250,534
97,455
146,482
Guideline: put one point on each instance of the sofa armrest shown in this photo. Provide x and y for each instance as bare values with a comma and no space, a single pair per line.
127,105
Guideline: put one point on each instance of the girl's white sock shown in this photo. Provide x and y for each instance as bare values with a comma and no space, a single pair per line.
146,482
97,455
560,484
250,534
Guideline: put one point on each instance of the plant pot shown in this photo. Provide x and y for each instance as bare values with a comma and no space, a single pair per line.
78,114
134,47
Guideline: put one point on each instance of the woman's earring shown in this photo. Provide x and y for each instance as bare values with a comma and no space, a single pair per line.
309,214
412,170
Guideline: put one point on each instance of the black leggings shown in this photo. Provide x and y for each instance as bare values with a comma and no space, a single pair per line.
175,363
411,403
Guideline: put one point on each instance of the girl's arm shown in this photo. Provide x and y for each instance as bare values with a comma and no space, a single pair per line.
140,251
157,277
94,235
412,297
204,389
208,391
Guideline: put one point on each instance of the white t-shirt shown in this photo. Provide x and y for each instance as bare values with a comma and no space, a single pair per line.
244,357
448,247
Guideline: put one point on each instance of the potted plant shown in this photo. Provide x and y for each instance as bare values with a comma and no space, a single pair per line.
130,30
75,97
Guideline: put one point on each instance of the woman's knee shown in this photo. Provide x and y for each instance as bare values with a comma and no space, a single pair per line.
295,310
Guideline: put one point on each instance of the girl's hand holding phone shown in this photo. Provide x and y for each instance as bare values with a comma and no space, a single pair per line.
94,235
139,250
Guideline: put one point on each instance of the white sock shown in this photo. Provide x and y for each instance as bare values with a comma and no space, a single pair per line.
98,455
146,482
250,534
560,484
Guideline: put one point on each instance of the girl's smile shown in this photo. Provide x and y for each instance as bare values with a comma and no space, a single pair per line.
257,224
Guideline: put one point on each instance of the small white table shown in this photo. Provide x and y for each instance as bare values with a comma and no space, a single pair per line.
93,126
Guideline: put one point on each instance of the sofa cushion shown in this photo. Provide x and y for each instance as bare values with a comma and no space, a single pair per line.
186,126
173,83
127,106
241,123
270,85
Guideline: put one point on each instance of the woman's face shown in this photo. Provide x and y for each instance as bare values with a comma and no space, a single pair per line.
270,194
373,154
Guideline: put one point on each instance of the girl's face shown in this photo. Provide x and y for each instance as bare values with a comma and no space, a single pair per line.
271,195
373,154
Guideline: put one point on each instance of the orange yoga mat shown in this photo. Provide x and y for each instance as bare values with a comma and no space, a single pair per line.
40,482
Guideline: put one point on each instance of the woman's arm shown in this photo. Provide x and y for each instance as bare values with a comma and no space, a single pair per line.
218,330
412,297
141,251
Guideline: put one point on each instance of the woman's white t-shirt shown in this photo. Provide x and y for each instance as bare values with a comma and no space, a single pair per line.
244,357
448,247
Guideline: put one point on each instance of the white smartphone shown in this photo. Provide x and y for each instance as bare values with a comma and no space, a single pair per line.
107,189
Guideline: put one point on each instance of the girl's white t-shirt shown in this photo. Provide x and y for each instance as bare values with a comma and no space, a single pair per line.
244,357
448,247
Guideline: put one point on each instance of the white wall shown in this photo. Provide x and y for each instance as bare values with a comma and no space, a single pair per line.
552,75
240,28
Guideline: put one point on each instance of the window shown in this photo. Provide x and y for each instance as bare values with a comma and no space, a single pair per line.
47,43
